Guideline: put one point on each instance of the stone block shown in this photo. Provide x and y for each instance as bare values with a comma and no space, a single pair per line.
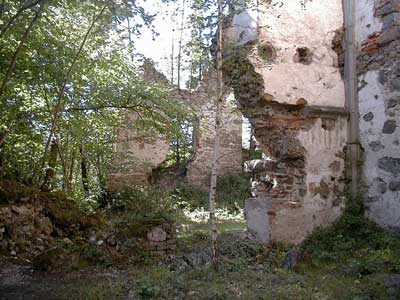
256,211
157,234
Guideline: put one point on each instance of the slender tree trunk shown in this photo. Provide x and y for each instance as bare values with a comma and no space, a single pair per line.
1,164
199,78
84,173
101,178
72,166
180,44
66,185
215,154
191,76
130,40
2,8
3,137
17,52
51,170
252,142
178,157
258,18
60,98
172,60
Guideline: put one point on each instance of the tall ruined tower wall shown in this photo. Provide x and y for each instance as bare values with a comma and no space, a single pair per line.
284,63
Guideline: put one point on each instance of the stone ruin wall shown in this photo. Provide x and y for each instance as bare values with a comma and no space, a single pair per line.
287,77
138,154
378,46
135,157
230,156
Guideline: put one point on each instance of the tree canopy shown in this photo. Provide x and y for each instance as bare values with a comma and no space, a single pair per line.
67,81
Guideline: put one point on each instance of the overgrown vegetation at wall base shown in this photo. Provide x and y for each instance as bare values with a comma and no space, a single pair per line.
359,245
249,271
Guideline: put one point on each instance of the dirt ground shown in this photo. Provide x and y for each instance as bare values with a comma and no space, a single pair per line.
18,281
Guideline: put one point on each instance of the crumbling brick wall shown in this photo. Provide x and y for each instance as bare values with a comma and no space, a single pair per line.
230,154
287,78
137,154
378,46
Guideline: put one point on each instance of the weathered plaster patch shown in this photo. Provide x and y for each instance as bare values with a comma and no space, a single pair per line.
366,23
290,78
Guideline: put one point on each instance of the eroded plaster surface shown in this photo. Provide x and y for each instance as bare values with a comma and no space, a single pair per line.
284,31
136,155
288,82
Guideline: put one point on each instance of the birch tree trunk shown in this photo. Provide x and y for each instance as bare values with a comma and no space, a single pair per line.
180,43
172,59
215,155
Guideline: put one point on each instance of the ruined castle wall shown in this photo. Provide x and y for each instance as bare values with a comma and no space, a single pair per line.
230,152
378,46
287,77
137,153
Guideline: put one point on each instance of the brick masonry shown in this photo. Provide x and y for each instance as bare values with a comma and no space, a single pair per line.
137,154
288,80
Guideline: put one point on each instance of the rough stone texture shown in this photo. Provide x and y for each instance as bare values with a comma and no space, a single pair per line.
230,155
138,153
378,44
257,219
161,240
24,228
295,103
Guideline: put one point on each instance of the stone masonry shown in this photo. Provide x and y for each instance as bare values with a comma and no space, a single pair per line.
285,65
287,78
378,45
137,154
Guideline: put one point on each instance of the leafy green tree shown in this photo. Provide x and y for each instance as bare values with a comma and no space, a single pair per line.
67,82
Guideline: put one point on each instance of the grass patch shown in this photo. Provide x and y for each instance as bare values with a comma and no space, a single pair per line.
360,246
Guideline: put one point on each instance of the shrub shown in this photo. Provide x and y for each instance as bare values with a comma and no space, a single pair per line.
232,191
144,203
357,242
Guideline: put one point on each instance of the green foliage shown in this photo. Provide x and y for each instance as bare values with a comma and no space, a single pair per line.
257,154
232,191
146,290
359,244
190,197
144,202
181,144
69,77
